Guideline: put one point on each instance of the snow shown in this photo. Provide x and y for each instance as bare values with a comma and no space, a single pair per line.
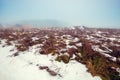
35,38
10,37
23,67
99,32
71,27
14,33
81,27
89,37
67,42
46,36
67,36
117,69
75,39
109,50
112,39
96,48
113,44
79,44
69,46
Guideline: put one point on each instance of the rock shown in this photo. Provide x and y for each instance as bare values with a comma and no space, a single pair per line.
51,72
43,67
16,54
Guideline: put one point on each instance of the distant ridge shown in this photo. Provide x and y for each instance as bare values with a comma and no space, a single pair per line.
44,23
1,25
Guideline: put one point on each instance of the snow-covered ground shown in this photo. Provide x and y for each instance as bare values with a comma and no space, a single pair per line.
26,66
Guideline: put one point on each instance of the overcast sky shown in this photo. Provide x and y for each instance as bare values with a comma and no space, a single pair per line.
73,12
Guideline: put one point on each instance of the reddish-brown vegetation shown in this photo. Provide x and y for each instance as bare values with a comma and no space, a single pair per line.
53,42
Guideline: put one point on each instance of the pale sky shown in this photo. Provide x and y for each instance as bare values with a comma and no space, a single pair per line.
73,12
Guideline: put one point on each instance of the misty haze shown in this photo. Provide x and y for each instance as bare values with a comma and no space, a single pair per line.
59,40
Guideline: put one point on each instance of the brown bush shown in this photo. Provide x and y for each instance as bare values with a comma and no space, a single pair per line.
72,51
51,72
64,58
22,47
8,43
43,52
43,67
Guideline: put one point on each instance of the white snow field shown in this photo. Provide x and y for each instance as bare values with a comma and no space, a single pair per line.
26,66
